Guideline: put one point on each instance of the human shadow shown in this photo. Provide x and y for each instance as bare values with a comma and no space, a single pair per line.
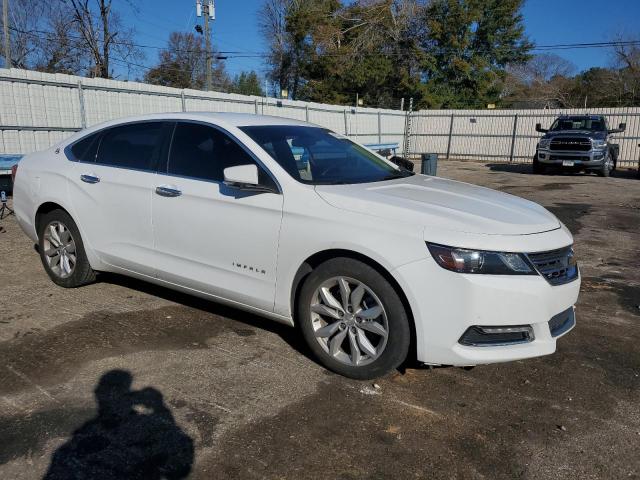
133,436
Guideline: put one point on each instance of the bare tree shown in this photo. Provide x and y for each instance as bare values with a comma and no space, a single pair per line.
24,41
627,68
47,41
272,19
287,26
182,65
544,81
103,33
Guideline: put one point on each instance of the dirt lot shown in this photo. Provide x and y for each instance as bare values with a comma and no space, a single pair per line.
243,392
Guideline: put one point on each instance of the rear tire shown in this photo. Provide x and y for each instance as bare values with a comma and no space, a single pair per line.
62,251
363,334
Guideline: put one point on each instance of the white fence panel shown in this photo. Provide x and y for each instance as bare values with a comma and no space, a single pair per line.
39,109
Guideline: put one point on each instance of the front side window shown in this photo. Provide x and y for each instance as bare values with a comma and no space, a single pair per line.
135,146
318,156
202,152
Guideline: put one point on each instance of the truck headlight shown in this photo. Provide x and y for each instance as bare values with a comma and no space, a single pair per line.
462,260
544,143
599,143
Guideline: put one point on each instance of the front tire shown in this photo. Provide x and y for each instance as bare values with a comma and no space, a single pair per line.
607,166
62,251
538,168
353,319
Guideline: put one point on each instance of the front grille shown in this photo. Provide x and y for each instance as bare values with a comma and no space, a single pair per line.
557,266
562,322
569,157
570,144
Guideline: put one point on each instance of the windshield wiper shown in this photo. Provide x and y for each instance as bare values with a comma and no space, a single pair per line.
401,174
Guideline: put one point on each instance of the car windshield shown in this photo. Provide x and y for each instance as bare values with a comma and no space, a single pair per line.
578,123
318,156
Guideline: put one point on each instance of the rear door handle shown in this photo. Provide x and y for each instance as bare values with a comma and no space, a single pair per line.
89,178
168,191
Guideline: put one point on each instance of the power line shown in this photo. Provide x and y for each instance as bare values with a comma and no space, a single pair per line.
50,35
256,54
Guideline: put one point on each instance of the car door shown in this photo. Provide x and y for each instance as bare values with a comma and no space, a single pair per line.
208,236
111,192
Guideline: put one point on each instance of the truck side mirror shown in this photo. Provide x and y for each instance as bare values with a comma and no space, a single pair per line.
540,129
621,128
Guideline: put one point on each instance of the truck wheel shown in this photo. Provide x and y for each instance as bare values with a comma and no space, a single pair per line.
607,166
538,168
353,320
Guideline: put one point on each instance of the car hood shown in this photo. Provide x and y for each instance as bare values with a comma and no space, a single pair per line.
443,204
576,133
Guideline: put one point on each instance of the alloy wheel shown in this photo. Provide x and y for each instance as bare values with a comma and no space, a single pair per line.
349,321
59,249
609,162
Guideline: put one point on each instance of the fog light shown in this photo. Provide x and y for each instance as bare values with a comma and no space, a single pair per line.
478,336
542,155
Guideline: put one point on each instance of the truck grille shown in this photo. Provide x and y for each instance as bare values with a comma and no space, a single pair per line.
571,144
557,266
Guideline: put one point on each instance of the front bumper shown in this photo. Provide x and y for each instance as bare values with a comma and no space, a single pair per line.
446,304
591,159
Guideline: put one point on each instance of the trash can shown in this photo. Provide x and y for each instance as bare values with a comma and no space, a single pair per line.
429,164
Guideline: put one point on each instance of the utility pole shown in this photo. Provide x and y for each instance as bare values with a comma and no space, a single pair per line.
208,11
5,27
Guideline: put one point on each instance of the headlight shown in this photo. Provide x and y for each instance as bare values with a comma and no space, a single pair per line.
544,143
462,260
599,143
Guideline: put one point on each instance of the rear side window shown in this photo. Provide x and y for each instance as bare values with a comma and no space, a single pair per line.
86,149
203,152
136,146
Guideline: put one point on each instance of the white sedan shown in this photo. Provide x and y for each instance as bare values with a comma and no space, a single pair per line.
373,263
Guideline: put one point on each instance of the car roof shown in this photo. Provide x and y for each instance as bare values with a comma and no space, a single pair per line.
582,116
222,118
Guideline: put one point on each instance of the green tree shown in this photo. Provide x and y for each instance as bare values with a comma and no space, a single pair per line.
445,53
247,83
468,45
370,50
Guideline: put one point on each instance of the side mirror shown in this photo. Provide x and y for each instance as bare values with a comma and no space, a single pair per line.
621,128
540,129
244,177
402,163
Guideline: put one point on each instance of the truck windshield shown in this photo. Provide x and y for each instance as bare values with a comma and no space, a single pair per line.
578,123
318,156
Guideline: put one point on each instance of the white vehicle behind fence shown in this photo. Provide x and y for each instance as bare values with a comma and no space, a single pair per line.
301,225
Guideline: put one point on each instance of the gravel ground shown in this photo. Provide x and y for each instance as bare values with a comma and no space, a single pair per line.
223,394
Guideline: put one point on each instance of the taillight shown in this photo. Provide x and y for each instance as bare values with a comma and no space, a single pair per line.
14,170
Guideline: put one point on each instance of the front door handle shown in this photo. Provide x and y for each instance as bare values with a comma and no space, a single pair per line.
168,191
89,178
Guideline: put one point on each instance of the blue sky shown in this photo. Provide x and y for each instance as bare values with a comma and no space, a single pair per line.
235,29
